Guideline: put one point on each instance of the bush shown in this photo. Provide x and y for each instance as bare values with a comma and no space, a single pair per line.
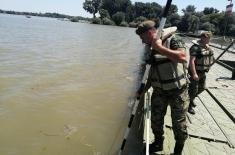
74,19
96,21
232,30
208,26
133,24
118,17
107,21
124,24
104,13
140,19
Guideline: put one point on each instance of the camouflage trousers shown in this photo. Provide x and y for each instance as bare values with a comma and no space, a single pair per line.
179,102
197,87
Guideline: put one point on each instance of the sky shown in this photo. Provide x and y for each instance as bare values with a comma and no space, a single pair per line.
74,7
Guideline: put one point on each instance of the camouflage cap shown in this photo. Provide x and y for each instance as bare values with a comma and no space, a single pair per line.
206,34
144,27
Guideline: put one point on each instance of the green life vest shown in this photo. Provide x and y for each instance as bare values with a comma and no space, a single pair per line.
204,57
164,73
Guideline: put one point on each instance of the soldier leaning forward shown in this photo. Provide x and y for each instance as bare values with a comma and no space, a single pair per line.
168,78
201,58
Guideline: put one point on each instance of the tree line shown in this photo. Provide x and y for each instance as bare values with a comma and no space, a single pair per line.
47,14
124,13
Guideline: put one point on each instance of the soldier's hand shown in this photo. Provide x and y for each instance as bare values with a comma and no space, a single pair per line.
195,77
181,57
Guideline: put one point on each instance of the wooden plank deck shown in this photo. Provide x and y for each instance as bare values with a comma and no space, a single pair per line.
203,125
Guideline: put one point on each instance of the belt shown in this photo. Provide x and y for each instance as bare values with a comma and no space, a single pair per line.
171,91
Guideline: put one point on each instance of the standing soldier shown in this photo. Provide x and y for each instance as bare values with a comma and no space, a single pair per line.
168,78
201,58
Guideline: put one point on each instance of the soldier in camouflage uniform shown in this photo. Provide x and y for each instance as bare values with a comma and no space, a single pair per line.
201,58
168,78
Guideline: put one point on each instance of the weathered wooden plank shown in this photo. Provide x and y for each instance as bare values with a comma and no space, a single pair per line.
203,124
227,126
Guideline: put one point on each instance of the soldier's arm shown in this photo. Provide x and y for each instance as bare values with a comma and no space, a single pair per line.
194,50
193,68
177,56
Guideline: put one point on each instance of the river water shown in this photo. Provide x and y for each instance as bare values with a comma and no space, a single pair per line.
64,87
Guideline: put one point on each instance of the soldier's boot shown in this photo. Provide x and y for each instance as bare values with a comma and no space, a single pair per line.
178,148
157,145
191,110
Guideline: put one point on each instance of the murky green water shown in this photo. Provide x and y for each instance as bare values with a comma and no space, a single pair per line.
64,86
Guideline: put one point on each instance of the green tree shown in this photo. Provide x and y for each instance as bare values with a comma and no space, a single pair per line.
199,14
185,21
216,19
92,6
118,17
190,9
148,10
229,21
208,26
129,13
138,7
173,9
210,10
194,23
232,30
205,18
113,6
104,13
174,19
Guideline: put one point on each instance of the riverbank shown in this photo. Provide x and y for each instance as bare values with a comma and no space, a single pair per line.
50,15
